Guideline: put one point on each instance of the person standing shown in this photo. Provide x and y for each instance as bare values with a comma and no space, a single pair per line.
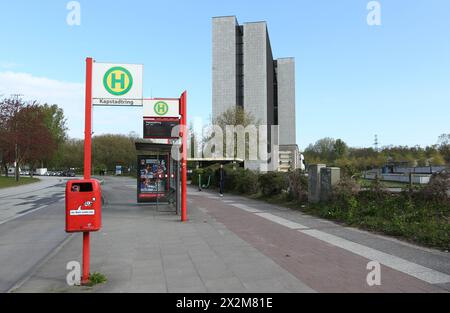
221,179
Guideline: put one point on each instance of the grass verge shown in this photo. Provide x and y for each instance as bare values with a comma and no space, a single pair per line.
366,183
6,182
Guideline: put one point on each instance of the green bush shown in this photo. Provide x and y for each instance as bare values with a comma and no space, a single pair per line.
231,177
297,186
346,188
246,182
437,189
272,183
206,172
409,214
243,181
195,176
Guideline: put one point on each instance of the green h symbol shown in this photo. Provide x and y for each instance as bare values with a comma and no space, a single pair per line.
114,80
161,107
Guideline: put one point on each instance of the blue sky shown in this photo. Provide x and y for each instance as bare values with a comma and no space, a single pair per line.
352,80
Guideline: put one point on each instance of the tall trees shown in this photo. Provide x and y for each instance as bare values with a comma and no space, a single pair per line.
34,141
70,155
29,133
234,116
107,151
54,120
336,152
340,149
240,127
444,146
25,137
323,149
8,109
111,150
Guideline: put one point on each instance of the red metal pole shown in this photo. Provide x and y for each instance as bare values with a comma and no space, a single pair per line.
87,160
88,120
86,258
183,104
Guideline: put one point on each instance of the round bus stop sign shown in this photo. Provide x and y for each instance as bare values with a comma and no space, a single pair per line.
118,81
161,108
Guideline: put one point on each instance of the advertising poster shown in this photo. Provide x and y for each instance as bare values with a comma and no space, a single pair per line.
153,175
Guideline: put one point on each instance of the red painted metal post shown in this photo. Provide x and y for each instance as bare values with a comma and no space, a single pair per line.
87,160
183,104
86,258
88,120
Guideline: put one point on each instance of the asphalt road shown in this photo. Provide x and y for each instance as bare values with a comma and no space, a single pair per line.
31,227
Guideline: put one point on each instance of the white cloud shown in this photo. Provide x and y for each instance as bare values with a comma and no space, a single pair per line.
70,97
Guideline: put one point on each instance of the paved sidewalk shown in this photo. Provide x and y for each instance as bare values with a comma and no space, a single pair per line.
142,250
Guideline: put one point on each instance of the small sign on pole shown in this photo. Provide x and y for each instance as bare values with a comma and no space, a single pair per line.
117,84
161,117
161,108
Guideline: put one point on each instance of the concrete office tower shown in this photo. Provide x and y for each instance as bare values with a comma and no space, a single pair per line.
244,73
225,77
290,157
285,73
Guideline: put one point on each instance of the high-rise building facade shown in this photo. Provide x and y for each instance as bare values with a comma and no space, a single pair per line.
245,74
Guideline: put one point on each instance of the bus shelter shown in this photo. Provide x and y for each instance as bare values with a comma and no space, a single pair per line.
158,173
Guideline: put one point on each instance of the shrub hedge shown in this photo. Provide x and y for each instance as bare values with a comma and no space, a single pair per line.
243,181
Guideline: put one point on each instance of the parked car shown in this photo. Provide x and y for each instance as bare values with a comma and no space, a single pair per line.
67,173
71,173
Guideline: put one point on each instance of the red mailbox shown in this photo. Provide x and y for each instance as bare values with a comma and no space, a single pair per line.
83,205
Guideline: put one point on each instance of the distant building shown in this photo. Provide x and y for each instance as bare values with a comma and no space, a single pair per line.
245,74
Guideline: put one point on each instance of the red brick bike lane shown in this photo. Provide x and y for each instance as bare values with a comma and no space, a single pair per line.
321,266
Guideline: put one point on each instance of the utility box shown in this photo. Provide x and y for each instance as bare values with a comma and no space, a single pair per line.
314,185
329,177
83,206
